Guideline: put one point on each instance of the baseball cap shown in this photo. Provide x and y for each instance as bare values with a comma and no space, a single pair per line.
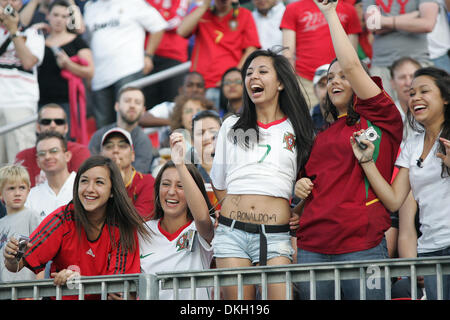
320,73
123,132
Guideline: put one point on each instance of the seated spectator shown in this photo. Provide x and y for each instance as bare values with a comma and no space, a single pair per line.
402,74
182,229
268,15
185,108
158,117
231,100
98,231
129,108
205,128
320,91
21,51
224,36
53,157
117,34
118,145
51,117
171,51
67,60
14,188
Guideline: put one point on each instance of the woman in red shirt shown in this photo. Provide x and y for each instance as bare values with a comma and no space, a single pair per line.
342,219
95,234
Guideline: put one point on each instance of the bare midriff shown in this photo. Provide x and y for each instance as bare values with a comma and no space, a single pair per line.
257,209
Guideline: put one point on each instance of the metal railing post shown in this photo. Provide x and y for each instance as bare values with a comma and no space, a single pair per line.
148,287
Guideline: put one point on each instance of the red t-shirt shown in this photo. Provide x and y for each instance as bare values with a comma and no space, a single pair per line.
140,190
220,43
56,239
314,46
342,213
172,45
28,159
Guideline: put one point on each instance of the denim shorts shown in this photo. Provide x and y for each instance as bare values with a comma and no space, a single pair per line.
230,242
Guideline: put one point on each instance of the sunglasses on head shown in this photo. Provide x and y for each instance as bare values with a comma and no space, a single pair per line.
58,122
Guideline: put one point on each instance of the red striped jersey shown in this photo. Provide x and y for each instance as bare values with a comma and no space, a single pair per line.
57,239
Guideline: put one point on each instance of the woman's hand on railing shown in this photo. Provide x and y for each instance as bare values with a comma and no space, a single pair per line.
61,277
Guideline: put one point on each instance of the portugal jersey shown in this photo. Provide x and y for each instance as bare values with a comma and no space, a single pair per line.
184,250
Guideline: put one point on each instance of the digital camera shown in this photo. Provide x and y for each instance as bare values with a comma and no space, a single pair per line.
369,134
23,242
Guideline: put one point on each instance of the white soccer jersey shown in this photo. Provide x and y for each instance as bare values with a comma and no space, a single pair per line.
269,168
117,30
166,252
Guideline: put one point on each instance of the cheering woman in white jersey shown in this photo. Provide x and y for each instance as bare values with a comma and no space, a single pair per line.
257,159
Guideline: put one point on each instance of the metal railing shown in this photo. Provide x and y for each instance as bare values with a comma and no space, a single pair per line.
148,286
140,83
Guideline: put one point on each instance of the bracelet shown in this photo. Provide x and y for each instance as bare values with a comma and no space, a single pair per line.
361,162
149,55
393,23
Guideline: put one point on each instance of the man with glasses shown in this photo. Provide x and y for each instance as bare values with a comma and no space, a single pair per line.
51,117
52,157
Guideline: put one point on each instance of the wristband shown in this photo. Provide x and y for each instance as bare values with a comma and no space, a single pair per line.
366,161
149,55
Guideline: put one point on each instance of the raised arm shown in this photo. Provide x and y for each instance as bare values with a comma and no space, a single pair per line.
191,20
361,83
195,200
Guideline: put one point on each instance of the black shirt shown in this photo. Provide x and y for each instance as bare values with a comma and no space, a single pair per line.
53,87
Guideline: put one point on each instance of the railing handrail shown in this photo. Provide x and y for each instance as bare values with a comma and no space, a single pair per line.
148,285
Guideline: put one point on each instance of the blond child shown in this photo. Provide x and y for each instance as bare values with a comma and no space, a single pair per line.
19,220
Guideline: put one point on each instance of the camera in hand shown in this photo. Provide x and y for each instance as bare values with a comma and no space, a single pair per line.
23,243
369,134
9,11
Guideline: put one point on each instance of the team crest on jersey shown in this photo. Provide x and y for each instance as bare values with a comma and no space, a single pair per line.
183,242
289,141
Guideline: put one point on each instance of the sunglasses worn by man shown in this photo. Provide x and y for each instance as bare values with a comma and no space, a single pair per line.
58,122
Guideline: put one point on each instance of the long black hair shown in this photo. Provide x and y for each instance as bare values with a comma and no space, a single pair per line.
120,211
330,108
292,104
442,80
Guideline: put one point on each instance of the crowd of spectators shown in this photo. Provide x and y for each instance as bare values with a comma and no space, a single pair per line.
74,65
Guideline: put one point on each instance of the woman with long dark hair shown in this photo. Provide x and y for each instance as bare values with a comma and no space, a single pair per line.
257,158
424,164
343,219
95,234
182,228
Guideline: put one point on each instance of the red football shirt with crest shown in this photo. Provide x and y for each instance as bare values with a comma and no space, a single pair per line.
57,239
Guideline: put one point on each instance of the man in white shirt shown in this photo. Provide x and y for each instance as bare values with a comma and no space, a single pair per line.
117,34
52,157
268,15
20,53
